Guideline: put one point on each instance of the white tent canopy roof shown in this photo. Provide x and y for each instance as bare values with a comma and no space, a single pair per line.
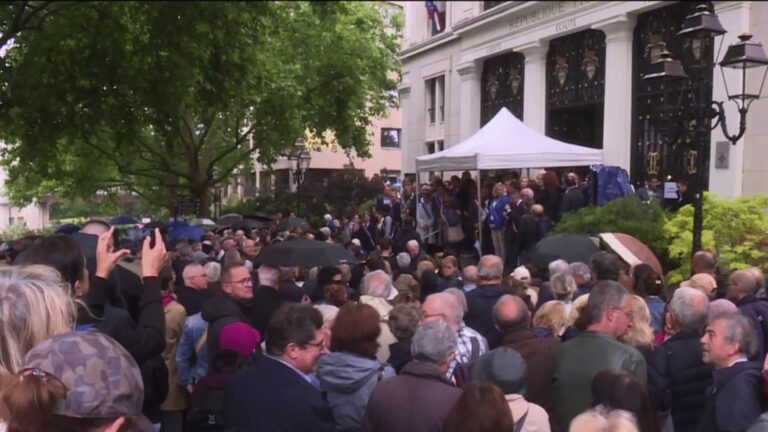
506,142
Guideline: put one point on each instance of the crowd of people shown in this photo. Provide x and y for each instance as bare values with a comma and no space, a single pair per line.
414,335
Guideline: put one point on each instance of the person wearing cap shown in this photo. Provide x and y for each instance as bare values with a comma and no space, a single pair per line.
377,290
420,398
275,393
76,381
513,319
507,369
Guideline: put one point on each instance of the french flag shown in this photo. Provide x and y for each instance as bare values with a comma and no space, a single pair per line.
433,12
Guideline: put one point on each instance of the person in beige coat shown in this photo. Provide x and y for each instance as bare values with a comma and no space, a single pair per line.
506,368
176,402
377,290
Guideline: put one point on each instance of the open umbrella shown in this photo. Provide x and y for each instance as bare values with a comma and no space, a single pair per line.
249,224
202,222
228,219
568,247
258,215
288,224
632,250
305,253
123,220
189,231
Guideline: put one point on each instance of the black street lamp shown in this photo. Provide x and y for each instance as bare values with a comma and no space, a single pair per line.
699,31
300,159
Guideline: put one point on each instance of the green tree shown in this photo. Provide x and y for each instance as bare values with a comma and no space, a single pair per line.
735,230
165,98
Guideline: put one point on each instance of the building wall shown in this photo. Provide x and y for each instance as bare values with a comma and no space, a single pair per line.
34,216
472,35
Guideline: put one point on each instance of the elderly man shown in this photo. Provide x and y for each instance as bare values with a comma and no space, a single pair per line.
741,291
512,317
480,301
582,275
448,306
193,294
420,398
734,401
469,277
414,251
577,361
275,393
377,289
266,297
683,376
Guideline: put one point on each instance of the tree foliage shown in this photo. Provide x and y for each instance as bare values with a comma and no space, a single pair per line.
735,230
163,98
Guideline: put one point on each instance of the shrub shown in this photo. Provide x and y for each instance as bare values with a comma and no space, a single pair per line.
735,230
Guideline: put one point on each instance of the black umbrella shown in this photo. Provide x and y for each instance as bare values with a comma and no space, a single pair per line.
305,253
568,247
229,219
258,215
249,224
123,220
288,224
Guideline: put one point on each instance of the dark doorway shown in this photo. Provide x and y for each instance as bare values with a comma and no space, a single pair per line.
577,125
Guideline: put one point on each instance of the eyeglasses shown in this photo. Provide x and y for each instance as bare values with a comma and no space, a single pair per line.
319,345
630,315
246,282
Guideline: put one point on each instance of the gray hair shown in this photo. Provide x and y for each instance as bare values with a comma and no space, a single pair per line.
689,306
460,297
527,193
449,304
606,294
411,243
377,284
269,276
490,268
559,266
469,275
212,272
403,260
433,342
720,306
738,329
403,320
581,269
563,286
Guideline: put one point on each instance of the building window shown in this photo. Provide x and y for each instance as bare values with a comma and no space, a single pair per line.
390,138
436,99
435,146
436,16
491,4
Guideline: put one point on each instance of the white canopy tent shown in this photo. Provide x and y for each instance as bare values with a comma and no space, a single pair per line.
504,143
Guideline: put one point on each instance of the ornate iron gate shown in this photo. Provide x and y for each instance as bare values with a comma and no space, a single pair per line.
502,86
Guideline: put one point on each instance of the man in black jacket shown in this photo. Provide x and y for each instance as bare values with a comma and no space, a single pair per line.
480,301
192,294
742,286
677,376
734,399
275,393
266,298
574,197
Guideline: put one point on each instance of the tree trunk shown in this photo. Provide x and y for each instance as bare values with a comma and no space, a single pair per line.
203,197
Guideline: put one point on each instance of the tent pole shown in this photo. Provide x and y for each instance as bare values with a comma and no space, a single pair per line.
479,212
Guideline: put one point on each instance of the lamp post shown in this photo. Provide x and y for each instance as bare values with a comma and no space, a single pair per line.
699,32
300,159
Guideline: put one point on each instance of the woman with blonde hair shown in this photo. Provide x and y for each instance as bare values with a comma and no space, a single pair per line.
34,305
550,319
563,287
639,333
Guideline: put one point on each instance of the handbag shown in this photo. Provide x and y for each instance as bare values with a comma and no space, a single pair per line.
454,234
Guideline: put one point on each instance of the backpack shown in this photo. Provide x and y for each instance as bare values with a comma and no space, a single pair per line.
208,414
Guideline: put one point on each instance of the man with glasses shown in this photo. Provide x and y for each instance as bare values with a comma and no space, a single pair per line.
232,305
275,392
578,360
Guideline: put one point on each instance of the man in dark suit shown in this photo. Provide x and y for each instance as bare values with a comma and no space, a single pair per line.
480,301
275,393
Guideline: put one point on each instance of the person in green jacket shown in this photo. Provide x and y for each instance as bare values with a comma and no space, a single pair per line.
577,361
